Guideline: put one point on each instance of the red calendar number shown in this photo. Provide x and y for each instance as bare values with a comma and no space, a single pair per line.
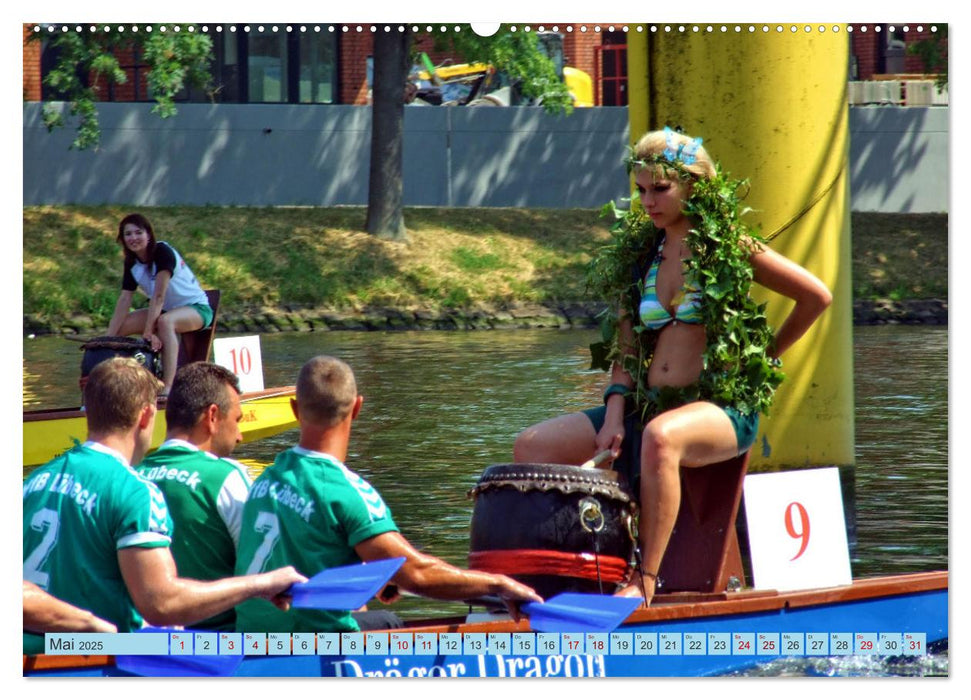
800,532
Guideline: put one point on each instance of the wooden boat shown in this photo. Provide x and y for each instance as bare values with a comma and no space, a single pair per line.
708,625
914,604
48,433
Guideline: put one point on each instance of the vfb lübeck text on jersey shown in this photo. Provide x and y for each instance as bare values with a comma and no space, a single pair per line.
64,484
284,496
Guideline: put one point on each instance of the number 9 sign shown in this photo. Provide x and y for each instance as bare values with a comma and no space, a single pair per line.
797,533
801,532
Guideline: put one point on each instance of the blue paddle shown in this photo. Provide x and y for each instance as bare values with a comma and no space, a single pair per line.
580,612
341,588
178,666
344,587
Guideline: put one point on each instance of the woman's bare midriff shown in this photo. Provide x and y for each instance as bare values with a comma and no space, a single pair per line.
678,355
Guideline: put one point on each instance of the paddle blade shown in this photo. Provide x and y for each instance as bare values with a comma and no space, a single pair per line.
580,612
178,666
344,587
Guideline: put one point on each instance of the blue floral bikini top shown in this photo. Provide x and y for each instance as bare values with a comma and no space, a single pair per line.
686,303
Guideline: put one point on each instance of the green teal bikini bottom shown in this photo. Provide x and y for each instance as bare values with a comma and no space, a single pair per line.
205,311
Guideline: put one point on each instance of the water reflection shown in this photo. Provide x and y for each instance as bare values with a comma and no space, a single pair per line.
441,406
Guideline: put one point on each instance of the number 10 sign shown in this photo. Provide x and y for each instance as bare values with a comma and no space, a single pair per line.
242,356
796,529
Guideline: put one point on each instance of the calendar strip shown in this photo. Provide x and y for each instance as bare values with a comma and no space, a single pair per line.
401,643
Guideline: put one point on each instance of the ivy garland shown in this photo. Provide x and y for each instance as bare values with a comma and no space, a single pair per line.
737,369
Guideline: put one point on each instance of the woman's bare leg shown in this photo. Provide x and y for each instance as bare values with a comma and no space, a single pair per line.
568,439
134,322
168,327
693,435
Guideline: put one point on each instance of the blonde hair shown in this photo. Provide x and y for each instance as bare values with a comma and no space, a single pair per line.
116,392
326,391
650,152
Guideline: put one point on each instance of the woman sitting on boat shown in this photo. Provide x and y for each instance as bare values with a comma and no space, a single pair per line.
692,360
177,303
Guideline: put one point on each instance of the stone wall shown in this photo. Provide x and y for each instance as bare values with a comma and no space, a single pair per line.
565,315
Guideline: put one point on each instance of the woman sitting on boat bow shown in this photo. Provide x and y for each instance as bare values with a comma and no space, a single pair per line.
692,360
178,304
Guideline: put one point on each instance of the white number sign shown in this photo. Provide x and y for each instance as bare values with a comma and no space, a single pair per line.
242,356
796,529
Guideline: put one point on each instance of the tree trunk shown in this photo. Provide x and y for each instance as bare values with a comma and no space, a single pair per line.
385,218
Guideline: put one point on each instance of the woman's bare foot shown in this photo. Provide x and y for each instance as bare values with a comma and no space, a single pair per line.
640,586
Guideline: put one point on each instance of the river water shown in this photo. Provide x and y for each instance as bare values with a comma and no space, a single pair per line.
442,406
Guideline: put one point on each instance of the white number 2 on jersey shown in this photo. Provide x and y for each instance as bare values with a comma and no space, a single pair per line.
44,518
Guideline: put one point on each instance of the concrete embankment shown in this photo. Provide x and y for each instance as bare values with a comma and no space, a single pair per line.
512,316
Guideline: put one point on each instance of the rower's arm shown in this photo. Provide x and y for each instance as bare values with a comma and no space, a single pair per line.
429,576
45,613
163,598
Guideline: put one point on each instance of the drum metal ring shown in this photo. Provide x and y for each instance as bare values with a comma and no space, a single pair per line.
590,513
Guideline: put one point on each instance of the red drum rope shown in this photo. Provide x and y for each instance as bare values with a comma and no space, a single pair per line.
547,562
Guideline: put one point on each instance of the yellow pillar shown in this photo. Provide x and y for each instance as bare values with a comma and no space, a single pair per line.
771,107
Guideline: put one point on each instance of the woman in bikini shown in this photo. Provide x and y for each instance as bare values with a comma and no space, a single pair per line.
675,398
177,303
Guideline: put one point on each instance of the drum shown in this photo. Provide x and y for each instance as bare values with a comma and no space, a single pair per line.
554,527
99,349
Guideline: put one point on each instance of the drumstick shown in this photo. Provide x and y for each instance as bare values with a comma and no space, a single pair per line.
598,459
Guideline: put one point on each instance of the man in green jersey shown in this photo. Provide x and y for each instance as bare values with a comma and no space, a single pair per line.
204,491
309,510
96,535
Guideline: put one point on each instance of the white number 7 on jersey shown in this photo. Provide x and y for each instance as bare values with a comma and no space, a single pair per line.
268,523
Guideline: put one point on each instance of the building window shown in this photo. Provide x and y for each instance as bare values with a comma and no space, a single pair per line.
318,68
611,74
267,68
246,67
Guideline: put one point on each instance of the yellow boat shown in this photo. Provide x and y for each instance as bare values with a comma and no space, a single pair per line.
48,433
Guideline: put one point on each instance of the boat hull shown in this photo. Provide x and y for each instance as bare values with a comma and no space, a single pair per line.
914,604
49,433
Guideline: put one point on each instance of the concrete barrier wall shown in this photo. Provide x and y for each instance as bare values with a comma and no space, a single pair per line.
899,159
317,155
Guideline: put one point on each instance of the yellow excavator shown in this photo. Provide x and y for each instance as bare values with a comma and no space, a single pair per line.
477,84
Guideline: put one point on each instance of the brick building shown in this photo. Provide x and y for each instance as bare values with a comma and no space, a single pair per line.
315,65
319,66
884,52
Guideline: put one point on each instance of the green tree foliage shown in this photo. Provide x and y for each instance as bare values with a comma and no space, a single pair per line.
180,56
518,55
177,56
933,53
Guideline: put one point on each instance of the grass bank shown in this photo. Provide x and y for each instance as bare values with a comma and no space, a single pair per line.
456,258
